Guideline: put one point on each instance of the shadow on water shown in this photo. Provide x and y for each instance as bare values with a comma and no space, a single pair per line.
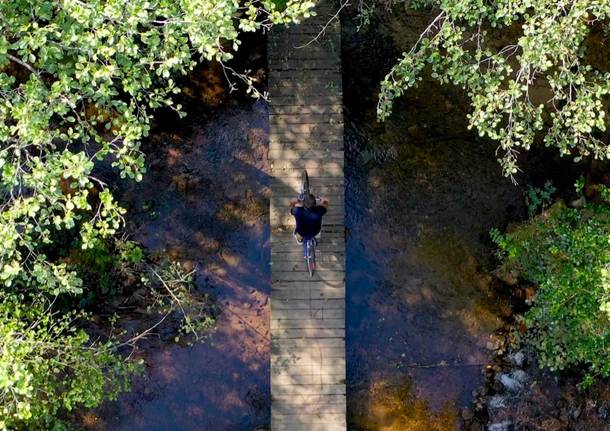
422,193
204,202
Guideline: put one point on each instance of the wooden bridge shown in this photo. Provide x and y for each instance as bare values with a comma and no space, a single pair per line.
307,314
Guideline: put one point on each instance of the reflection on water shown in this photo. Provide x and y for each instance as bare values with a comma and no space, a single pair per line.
205,203
421,305
390,406
422,194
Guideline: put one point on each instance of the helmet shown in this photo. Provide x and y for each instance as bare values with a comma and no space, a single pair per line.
309,201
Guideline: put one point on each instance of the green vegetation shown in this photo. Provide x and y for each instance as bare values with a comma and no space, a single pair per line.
47,365
564,252
538,199
78,84
536,72
548,83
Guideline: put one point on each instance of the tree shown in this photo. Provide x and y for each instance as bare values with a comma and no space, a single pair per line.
564,252
547,84
79,81
47,365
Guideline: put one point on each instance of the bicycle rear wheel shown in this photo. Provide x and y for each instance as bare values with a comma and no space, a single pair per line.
311,256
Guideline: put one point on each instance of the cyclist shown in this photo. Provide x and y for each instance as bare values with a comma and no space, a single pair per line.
308,216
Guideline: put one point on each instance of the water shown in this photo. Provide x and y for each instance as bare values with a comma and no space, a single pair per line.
205,203
422,193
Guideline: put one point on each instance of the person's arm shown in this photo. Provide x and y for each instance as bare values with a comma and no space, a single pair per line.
324,202
293,203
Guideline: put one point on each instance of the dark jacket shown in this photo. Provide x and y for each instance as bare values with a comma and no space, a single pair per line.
309,221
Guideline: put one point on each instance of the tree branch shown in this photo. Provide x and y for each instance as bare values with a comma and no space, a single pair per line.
22,63
343,4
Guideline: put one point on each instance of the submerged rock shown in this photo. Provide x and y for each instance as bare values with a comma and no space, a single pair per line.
501,426
517,358
496,402
514,381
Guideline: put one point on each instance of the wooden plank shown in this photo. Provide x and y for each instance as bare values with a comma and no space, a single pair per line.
307,313
317,183
295,42
307,143
333,192
324,119
292,154
309,305
309,109
313,333
286,390
304,118
322,174
288,238
296,256
286,298
313,376
297,100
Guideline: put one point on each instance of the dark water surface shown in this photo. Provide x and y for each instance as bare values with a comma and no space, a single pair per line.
422,194
205,203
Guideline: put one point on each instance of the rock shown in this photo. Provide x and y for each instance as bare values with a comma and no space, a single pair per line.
517,359
493,344
500,426
575,412
496,402
514,381
578,203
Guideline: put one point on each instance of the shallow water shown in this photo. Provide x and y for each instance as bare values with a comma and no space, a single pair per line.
422,193
205,203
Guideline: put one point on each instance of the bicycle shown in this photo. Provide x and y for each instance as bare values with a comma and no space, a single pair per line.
309,243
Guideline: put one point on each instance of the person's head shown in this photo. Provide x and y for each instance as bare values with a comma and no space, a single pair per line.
309,201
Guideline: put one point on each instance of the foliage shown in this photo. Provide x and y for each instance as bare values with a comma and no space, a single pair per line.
538,199
46,365
78,84
106,269
545,84
565,253
174,293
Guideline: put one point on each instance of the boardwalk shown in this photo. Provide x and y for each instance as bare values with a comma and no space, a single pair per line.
307,314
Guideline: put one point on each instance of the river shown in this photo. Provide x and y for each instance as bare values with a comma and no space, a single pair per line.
422,193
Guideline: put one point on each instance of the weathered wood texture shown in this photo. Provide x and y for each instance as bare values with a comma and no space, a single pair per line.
307,314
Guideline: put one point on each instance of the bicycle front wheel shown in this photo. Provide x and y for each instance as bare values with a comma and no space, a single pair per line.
304,184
